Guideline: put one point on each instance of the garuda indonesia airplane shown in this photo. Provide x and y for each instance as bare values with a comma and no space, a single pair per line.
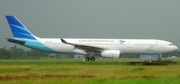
110,48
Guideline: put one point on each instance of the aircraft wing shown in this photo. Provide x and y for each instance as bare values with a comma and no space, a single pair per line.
85,47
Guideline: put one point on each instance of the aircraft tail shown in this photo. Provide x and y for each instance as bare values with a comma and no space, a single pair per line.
18,29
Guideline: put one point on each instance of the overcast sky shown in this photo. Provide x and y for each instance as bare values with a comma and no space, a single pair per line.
123,19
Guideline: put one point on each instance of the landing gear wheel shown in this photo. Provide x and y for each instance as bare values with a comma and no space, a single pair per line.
87,58
92,58
159,58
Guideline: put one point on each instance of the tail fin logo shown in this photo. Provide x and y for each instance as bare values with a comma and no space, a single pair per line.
18,29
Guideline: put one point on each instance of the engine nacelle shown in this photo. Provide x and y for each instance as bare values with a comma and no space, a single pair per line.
78,51
110,53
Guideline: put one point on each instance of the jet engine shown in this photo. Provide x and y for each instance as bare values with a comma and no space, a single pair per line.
110,53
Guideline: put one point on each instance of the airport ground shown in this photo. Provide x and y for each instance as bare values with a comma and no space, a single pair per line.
72,71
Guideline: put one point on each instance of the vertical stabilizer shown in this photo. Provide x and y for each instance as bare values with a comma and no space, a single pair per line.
18,29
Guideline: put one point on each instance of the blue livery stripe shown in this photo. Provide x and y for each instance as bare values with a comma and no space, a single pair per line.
34,44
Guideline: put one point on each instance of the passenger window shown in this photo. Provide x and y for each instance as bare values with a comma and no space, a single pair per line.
170,44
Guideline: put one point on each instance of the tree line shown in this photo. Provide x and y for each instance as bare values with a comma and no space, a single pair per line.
15,52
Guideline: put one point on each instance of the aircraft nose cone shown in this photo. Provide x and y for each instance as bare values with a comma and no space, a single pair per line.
176,48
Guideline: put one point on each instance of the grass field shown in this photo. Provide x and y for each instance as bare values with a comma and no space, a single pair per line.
82,72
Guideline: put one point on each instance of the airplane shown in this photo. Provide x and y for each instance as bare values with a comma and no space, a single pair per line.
109,48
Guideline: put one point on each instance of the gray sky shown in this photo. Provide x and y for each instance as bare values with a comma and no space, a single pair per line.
136,19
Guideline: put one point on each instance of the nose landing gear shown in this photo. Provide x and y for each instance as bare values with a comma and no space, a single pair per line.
159,57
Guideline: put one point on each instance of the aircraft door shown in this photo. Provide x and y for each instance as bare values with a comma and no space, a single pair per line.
161,46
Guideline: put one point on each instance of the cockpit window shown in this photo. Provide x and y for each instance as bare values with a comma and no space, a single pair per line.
170,44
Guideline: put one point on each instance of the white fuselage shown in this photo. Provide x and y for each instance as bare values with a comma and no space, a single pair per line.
135,46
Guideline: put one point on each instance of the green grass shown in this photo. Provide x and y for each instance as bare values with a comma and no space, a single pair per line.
81,72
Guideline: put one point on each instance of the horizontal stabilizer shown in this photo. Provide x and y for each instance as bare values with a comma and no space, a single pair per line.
22,42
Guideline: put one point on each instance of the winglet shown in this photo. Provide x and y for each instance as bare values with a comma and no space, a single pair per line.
63,41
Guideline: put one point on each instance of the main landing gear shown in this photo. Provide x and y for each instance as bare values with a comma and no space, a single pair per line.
91,58
159,57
